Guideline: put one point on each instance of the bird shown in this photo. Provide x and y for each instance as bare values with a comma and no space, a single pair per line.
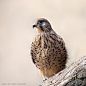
48,50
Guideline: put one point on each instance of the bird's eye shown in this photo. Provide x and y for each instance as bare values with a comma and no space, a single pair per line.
40,22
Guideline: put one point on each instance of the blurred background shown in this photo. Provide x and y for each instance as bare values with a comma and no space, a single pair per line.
68,19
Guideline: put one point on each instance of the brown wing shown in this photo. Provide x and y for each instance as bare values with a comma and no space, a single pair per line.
60,52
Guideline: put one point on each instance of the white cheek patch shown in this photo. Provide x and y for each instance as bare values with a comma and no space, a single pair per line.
43,24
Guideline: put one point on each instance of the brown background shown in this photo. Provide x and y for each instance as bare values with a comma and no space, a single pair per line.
68,19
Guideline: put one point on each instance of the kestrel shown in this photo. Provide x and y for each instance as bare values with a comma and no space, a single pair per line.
48,50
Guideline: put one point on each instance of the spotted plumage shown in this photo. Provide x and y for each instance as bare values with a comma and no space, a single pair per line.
48,50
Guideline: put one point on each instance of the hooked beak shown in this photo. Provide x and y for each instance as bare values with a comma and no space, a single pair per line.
34,25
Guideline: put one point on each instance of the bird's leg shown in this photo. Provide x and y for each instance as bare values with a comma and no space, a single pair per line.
44,78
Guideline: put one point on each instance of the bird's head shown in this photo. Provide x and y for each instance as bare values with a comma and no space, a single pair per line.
42,25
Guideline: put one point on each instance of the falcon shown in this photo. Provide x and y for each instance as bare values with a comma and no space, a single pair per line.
48,50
